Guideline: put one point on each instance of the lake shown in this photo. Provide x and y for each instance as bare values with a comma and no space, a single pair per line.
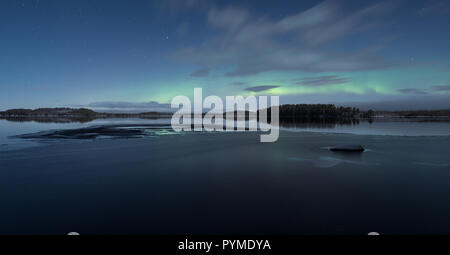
227,182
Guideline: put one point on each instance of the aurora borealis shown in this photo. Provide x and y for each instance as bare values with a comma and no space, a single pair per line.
113,54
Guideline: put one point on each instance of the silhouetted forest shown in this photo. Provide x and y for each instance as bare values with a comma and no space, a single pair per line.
47,112
317,111
63,115
321,113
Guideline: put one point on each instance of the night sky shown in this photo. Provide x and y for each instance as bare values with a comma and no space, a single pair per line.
137,55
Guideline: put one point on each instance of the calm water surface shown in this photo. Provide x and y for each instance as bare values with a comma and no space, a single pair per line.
8,129
228,183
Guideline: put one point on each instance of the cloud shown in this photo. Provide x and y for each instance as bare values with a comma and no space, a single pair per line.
433,89
230,18
201,72
412,91
261,88
410,102
441,88
373,100
123,106
300,42
322,80
238,83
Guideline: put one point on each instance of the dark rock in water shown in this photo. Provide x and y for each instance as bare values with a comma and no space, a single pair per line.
348,148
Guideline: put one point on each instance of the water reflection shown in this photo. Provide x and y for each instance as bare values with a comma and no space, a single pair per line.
52,119
377,126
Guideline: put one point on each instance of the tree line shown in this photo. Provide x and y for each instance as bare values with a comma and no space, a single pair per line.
313,112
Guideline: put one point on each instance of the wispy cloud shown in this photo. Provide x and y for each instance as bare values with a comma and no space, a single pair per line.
431,90
441,88
411,102
261,88
238,83
201,72
322,80
299,42
123,106
412,91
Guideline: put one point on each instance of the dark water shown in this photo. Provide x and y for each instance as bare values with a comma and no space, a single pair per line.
226,183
